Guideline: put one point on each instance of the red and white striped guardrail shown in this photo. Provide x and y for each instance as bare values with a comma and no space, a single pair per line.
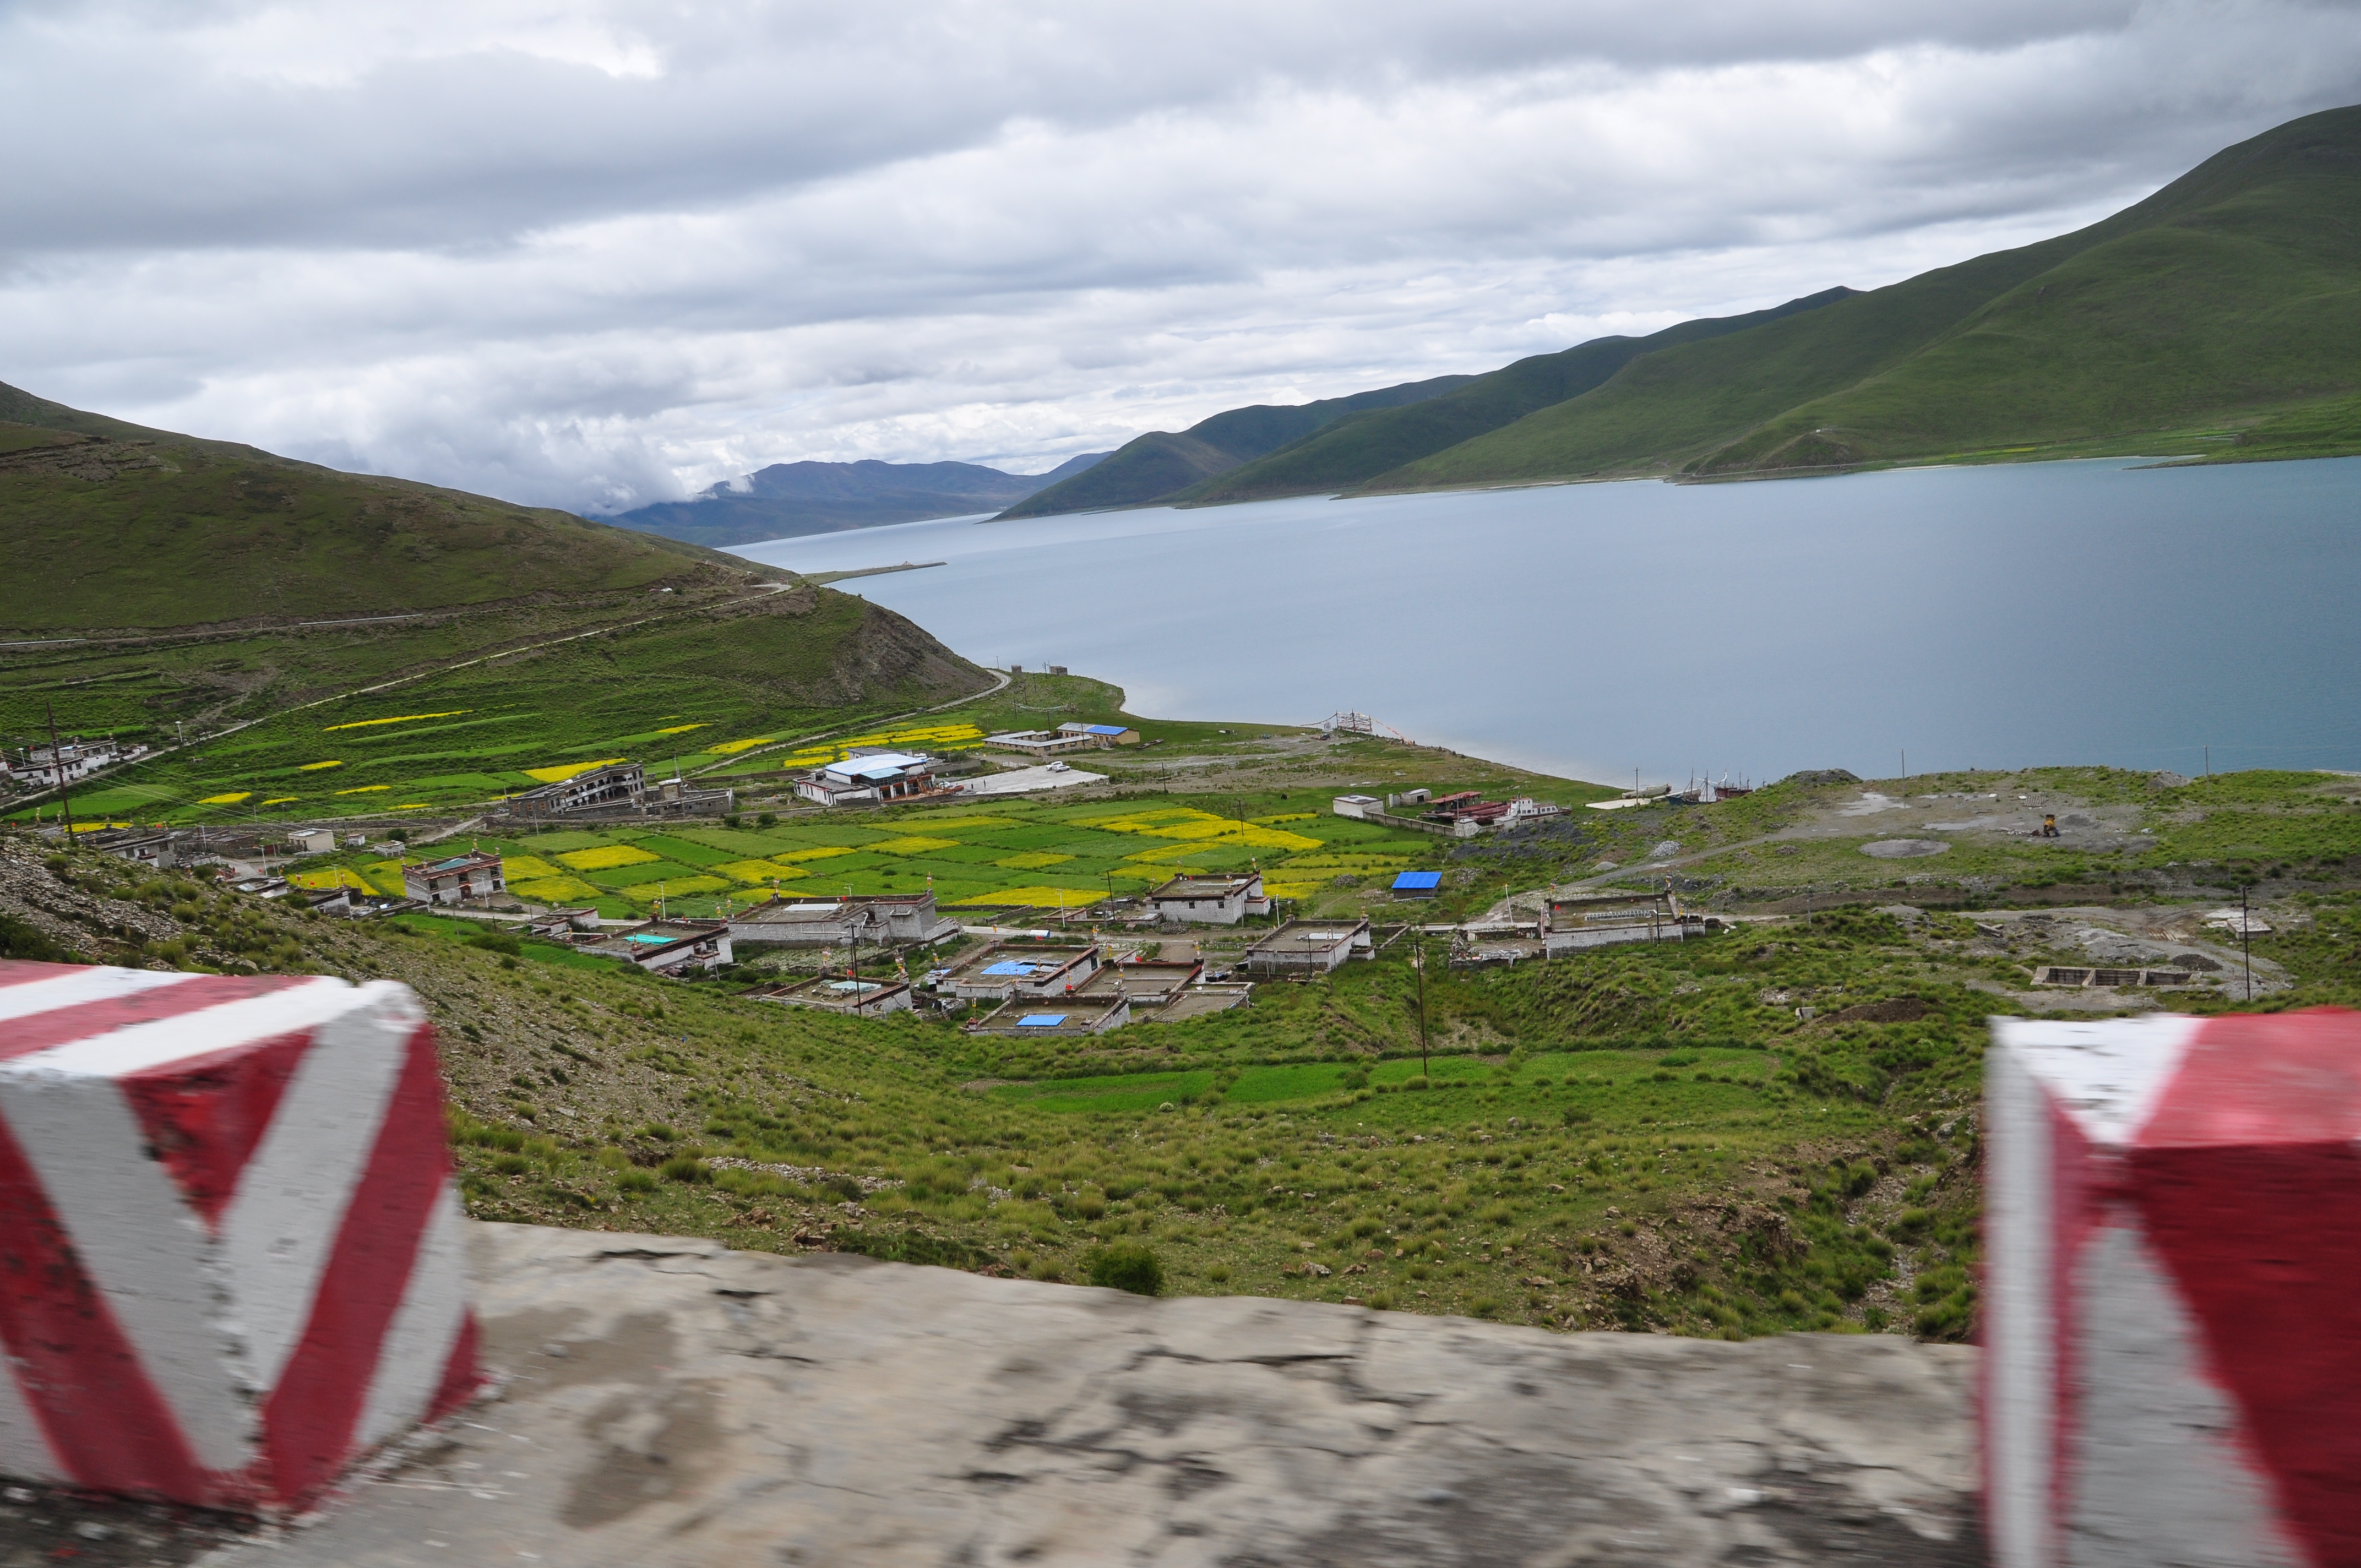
230,1251
2172,1300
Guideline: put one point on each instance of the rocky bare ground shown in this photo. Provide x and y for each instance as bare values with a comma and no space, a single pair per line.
670,1403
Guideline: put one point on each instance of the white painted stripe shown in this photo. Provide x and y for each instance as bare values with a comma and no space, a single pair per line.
2108,1074
419,1341
2156,1466
24,1449
96,983
282,1222
144,1249
161,1041
2020,1424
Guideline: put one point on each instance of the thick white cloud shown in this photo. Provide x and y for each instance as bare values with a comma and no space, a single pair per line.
593,255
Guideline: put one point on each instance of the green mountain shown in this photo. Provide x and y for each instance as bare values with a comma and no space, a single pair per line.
135,526
2223,314
169,586
1362,447
1152,466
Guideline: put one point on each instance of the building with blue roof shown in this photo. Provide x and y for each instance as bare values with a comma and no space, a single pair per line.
870,778
1417,884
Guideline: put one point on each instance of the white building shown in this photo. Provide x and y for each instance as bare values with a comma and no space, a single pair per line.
869,778
1359,806
1211,900
462,877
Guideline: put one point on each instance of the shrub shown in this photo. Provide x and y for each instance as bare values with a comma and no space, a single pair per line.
496,942
686,1168
510,1165
635,1182
1125,1266
20,940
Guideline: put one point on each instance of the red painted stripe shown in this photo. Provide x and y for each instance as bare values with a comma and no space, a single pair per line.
309,1418
24,971
104,1421
204,1114
2250,1183
2075,1215
64,1025
462,1377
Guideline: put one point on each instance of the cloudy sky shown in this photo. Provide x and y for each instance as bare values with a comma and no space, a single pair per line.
595,254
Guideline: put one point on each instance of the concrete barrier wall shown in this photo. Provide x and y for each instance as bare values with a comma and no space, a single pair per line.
2173,1291
230,1256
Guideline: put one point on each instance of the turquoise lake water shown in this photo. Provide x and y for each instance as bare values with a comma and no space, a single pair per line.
1995,617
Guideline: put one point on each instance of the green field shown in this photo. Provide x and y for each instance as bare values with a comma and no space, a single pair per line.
1038,852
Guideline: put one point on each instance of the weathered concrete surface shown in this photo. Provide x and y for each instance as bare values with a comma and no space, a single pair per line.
672,1403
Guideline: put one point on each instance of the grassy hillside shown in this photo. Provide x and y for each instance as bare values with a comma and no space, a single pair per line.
1364,447
1152,466
2231,295
175,587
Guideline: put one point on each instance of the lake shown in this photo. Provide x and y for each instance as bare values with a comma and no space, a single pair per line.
2008,616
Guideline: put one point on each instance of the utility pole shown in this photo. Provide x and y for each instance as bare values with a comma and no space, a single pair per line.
58,762
2246,939
1418,962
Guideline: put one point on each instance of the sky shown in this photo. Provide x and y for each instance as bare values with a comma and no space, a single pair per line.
595,255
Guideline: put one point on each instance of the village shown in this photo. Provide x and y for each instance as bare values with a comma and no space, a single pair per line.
1183,939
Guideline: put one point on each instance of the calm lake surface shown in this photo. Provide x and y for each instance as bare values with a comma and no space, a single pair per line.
1996,617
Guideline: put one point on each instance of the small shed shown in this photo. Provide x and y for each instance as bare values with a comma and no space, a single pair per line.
1360,806
1417,884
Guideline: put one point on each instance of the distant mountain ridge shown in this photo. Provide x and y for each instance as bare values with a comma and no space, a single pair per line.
788,499
2220,317
1150,467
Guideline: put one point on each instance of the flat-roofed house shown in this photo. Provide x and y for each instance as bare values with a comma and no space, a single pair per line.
897,919
839,993
1309,947
1417,884
455,880
1211,900
1149,983
1102,734
1359,806
669,947
150,847
1603,919
1030,1019
608,787
1043,742
869,778
1007,969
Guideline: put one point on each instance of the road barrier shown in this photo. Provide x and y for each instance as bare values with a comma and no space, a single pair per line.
2172,1296
230,1251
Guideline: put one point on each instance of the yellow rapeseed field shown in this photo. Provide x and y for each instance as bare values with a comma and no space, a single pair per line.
398,718
556,890
754,873
1031,860
607,857
560,772
914,846
233,797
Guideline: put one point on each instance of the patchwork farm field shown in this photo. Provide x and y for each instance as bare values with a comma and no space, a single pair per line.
1040,853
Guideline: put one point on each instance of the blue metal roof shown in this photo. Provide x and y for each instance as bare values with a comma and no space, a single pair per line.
1040,1020
1413,881
1102,729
